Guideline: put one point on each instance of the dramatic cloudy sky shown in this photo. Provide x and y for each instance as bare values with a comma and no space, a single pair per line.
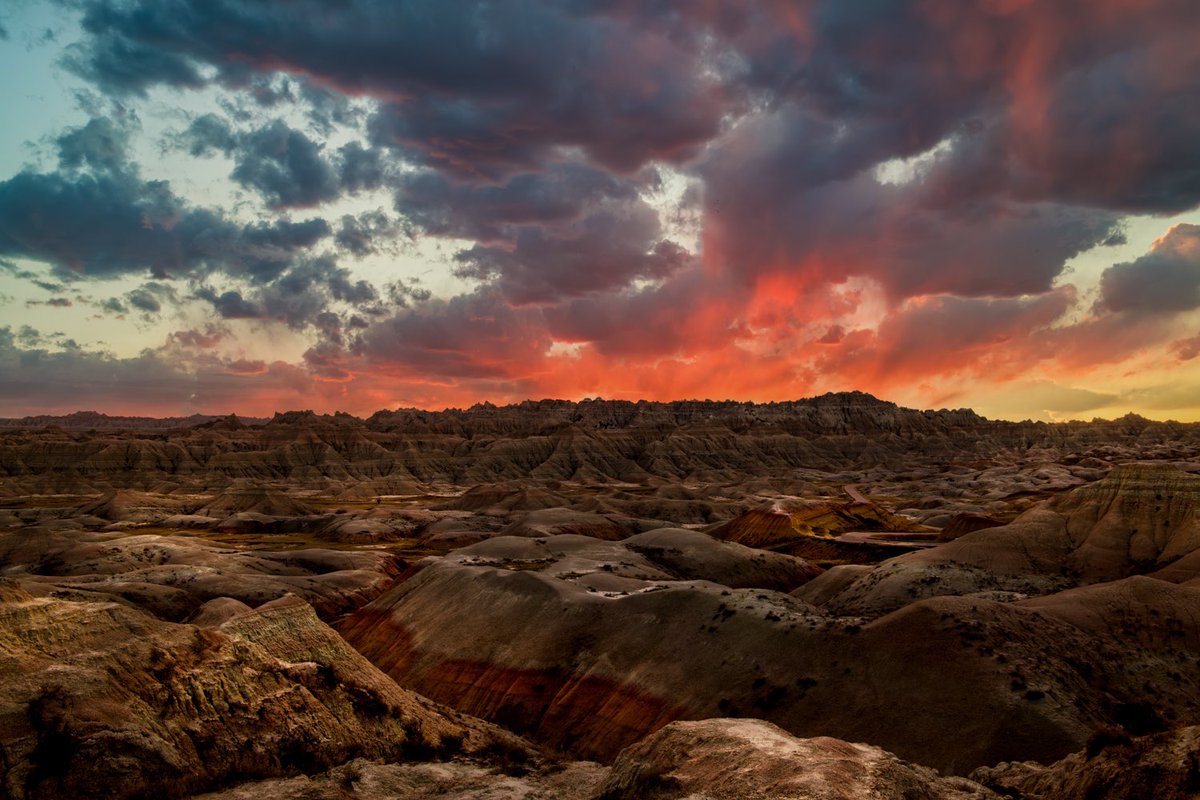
214,206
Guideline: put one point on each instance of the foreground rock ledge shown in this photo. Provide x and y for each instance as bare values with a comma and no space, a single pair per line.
715,759
739,759
100,700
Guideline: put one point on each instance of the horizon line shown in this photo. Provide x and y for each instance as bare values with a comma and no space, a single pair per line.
597,399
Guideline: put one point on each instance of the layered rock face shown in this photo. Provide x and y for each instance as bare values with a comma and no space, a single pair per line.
727,759
173,576
707,598
782,524
556,440
1165,766
586,648
450,780
557,604
100,700
825,531
1141,519
719,759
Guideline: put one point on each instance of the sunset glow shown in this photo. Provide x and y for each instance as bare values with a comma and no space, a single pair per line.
250,207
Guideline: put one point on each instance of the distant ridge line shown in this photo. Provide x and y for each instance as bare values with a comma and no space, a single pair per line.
603,412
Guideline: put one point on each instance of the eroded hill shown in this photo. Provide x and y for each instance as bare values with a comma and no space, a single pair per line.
603,599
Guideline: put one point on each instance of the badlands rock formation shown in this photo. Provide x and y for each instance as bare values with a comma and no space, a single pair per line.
1141,519
720,759
832,597
589,646
639,443
728,759
422,780
101,700
1165,766
173,576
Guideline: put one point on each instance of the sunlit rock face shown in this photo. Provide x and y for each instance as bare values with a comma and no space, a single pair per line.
587,648
464,779
727,759
102,700
584,596
172,576
1141,519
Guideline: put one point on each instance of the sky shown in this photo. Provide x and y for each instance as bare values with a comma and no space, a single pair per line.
215,206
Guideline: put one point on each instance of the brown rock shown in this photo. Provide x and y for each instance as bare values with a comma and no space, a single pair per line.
962,524
1114,766
1140,519
742,759
97,699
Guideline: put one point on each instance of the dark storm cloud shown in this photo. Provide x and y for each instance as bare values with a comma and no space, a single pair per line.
298,297
563,231
251,92
403,294
477,335
1079,102
95,216
93,224
286,235
144,301
486,92
471,87
360,168
1056,119
122,66
286,167
1165,279
1115,128
464,209
326,108
107,225
99,144
150,297
608,248
31,277
369,232
897,234
206,134
529,129
282,164
230,304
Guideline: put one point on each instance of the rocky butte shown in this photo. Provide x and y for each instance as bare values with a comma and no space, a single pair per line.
834,597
